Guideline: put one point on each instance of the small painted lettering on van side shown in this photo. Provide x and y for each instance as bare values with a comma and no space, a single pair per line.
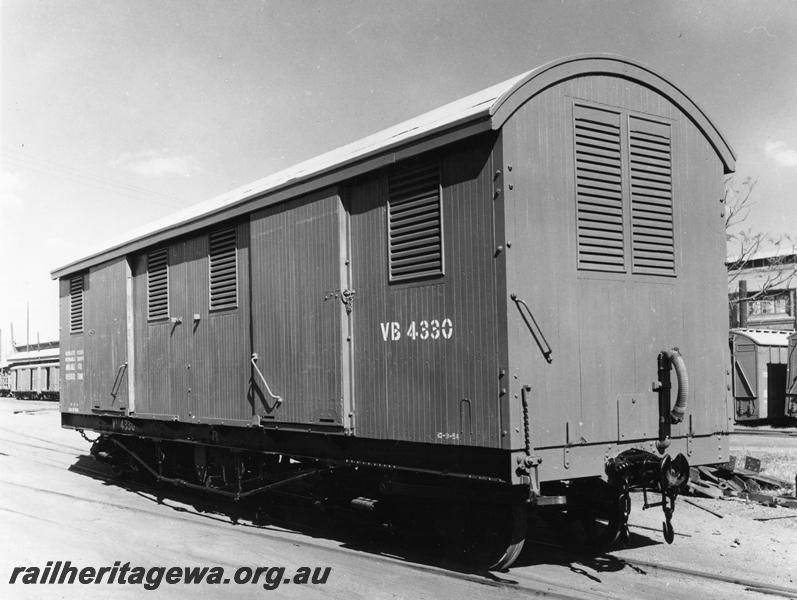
433,329
123,425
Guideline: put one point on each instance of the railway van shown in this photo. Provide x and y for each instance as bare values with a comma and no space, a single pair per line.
790,403
759,361
512,303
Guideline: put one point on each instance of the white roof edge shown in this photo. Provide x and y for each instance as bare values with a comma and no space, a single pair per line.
47,353
765,337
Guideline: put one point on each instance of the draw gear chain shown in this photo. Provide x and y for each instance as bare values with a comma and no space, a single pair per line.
85,437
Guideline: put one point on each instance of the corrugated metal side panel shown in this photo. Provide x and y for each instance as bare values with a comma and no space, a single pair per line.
607,329
72,389
217,345
198,368
153,344
106,333
426,386
698,184
542,223
296,308
366,202
139,273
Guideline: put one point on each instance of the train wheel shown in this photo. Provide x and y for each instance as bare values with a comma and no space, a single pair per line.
600,531
488,536
594,519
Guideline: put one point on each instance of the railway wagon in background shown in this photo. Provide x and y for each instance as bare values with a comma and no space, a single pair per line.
759,359
486,309
5,382
34,372
790,409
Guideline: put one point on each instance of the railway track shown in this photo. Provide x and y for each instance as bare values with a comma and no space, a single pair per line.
41,439
516,581
747,584
384,554
276,534
283,530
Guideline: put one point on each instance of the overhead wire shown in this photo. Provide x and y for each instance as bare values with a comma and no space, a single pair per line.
90,179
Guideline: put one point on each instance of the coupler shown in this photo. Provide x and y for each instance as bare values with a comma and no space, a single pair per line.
635,469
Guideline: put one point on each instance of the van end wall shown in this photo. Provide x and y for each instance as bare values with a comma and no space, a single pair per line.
606,330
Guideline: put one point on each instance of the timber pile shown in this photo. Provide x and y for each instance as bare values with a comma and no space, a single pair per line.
729,480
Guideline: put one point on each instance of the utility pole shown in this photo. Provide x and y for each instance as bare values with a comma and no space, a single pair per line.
742,303
27,326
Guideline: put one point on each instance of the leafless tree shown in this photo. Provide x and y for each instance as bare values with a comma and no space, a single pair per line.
779,266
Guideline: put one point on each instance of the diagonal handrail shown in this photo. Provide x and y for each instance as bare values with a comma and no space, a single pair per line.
263,379
546,351
118,380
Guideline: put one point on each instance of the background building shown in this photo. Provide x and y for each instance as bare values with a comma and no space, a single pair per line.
762,292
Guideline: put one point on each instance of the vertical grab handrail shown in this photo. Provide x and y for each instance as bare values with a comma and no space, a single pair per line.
263,379
118,380
546,351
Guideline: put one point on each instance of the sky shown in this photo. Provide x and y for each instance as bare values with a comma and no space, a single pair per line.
115,113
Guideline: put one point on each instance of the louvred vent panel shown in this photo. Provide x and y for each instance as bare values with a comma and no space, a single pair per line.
414,223
158,284
223,269
76,304
599,189
650,158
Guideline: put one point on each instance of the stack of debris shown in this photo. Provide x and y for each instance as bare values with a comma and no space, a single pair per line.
728,479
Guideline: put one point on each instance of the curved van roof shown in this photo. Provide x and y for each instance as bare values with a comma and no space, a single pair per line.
482,111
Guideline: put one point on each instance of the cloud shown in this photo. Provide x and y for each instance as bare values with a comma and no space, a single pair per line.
153,163
782,154
11,188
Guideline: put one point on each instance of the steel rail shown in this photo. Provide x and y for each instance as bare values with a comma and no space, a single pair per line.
748,584
41,439
486,579
141,489
493,580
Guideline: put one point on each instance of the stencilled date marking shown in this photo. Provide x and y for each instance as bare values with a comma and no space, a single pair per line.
392,331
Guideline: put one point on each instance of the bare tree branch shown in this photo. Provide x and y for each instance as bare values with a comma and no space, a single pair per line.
738,203
773,272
